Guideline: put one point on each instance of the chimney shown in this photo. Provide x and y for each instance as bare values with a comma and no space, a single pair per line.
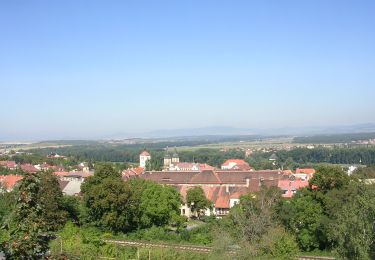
227,188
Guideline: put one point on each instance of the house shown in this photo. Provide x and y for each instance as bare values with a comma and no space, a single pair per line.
84,166
289,186
222,188
29,168
235,164
132,172
9,181
70,182
304,173
11,165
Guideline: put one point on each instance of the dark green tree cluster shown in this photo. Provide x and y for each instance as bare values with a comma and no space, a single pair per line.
365,155
336,213
122,206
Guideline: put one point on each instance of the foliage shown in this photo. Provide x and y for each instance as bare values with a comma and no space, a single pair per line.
197,201
335,213
122,206
253,216
328,178
365,173
107,199
50,199
252,231
74,208
304,220
159,205
27,227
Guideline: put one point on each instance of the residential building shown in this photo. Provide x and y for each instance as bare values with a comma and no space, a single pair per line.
11,165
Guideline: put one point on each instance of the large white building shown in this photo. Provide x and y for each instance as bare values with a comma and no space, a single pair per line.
143,157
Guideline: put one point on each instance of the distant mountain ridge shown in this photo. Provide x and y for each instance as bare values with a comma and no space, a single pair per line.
210,131
228,131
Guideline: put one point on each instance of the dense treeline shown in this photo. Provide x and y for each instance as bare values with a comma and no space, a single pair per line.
330,155
334,138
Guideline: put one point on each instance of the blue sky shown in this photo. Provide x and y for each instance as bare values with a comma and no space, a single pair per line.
84,69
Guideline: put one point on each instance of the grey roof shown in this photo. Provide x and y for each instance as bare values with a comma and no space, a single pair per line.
72,188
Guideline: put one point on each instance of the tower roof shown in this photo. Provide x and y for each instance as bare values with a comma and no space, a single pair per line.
144,153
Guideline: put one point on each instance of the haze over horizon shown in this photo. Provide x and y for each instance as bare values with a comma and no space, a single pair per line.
94,69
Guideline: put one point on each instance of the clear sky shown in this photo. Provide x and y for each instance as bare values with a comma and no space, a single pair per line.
83,69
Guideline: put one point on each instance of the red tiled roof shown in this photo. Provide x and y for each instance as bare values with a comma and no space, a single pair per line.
9,181
287,172
305,170
291,185
28,168
61,174
236,161
133,172
8,164
238,164
144,153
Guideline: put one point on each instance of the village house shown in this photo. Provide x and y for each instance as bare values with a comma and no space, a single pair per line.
29,168
70,182
11,165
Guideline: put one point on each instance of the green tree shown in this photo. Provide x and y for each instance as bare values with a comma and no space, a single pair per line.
197,201
50,199
350,220
28,238
159,204
305,220
107,199
328,178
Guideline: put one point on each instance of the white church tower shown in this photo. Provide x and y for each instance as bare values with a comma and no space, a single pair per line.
143,157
